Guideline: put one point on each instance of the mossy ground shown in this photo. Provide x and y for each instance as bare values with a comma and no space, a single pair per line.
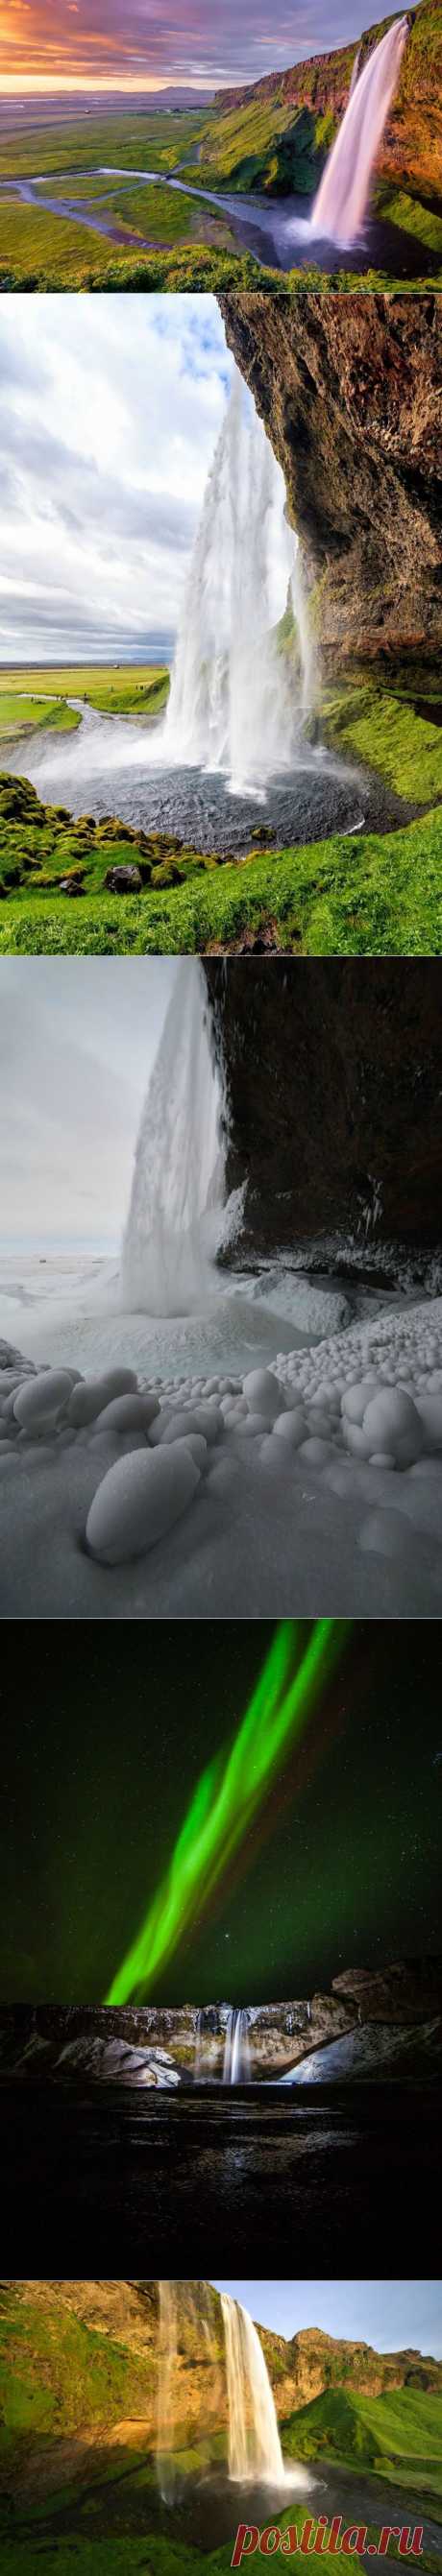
371,893
390,728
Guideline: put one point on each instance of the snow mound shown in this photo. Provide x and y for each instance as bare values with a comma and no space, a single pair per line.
315,1483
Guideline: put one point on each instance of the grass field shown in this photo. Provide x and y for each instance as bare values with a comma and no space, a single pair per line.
157,142
17,712
134,688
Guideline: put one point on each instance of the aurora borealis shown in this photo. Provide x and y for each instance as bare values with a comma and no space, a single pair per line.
229,1794
340,1867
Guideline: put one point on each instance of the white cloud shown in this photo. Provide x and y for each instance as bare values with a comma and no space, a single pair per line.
78,1037
109,412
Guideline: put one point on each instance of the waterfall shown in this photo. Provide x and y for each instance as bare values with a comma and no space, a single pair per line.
176,1210
235,704
237,2065
254,2444
189,2331
355,75
341,203
200,2050
167,2359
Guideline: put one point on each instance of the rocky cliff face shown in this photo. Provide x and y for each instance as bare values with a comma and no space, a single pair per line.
350,391
333,1076
93,2347
149,2046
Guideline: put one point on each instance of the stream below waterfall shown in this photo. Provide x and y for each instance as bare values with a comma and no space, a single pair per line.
275,230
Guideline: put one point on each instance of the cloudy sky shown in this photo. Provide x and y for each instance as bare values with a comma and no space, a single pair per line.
110,407
78,1037
137,43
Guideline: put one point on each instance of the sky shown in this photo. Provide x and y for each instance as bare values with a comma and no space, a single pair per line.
110,408
136,44
78,1038
394,2316
98,1777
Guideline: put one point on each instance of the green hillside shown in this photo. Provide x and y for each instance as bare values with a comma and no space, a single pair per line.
399,2432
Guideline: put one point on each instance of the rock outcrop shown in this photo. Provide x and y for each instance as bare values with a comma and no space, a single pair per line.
149,2045
334,1098
350,392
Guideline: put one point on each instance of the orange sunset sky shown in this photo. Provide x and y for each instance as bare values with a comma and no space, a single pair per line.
143,44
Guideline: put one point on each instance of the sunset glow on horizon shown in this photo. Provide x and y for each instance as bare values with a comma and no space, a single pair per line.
134,45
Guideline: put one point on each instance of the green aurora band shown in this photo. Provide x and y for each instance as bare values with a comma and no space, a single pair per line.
230,1792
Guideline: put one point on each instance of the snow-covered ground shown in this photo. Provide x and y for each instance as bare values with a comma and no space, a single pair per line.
284,1476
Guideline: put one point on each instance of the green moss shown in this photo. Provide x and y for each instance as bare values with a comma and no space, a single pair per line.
385,729
379,894
410,216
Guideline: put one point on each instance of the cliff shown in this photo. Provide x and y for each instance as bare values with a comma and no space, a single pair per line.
276,133
149,2045
85,2357
350,392
334,1105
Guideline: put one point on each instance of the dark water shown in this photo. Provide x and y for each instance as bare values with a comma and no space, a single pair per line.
307,804
345,2181
211,2510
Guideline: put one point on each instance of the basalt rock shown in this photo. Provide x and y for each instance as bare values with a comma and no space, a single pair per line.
124,880
350,392
156,2045
334,1086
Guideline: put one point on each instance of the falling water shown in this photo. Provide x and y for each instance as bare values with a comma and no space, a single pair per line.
167,2357
342,200
355,74
177,1204
254,2444
235,703
237,2062
188,2330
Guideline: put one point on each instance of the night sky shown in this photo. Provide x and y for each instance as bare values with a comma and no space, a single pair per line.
104,1738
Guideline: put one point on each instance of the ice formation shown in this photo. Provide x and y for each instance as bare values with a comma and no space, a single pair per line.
312,1486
